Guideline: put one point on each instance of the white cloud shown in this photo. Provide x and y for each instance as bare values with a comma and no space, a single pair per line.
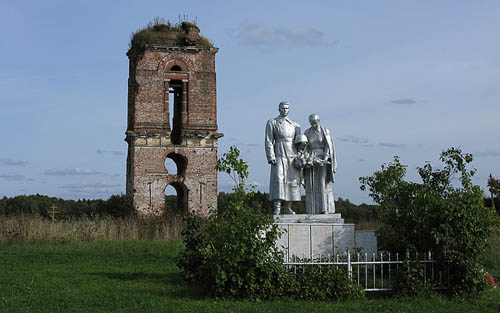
269,37
12,162
112,152
405,101
93,189
391,145
353,139
489,153
12,177
71,172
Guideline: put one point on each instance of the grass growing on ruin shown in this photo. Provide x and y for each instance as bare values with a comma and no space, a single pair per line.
162,32
141,276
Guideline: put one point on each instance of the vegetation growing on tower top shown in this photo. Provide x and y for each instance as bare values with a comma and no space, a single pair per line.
161,32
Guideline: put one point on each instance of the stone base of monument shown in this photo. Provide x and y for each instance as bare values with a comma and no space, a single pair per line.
334,218
309,236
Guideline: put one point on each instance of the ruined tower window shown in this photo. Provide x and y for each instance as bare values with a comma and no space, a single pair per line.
170,166
175,108
176,68
179,166
170,199
176,198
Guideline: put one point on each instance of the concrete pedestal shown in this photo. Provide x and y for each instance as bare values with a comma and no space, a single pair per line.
309,236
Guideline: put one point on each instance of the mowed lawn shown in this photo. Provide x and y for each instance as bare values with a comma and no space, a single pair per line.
141,276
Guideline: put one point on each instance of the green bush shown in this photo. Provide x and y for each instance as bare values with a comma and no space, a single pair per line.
410,281
324,283
435,215
233,253
193,260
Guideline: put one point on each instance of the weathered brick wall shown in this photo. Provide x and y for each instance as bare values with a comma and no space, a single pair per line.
149,129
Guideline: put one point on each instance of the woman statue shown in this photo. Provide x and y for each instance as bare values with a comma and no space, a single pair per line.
320,175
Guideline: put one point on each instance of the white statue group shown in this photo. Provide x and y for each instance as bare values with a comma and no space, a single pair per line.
308,159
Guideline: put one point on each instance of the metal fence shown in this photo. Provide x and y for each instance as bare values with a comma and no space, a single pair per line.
373,274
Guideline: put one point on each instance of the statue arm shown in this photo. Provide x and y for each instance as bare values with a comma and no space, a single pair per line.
269,143
333,153
327,150
297,130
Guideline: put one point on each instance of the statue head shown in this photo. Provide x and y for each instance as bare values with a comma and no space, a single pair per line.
314,121
300,142
284,108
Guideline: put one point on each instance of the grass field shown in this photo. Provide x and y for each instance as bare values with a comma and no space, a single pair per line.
35,229
140,276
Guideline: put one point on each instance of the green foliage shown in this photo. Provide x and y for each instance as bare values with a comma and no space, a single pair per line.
324,283
491,256
451,221
233,254
115,206
494,189
2,206
193,261
494,186
352,213
235,167
409,281
118,206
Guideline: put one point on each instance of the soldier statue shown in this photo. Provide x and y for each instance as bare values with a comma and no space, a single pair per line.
284,185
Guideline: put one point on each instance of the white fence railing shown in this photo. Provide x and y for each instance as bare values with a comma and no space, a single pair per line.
374,274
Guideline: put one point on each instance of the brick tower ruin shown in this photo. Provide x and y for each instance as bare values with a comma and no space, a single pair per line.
172,113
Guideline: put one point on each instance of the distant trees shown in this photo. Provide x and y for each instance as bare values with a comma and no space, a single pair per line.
494,188
121,206
351,213
114,206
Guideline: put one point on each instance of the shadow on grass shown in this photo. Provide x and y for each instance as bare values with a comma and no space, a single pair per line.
175,286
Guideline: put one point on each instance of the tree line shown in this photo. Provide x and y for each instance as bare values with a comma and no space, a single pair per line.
45,206
121,206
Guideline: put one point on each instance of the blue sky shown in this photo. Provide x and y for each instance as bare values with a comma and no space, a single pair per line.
407,78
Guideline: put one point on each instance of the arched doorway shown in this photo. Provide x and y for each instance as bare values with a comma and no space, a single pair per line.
175,191
175,198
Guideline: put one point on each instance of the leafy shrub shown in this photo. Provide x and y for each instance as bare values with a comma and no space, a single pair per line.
229,255
409,281
324,283
234,253
435,215
193,260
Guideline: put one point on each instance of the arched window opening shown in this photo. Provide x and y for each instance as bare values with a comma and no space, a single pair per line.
176,68
170,166
175,108
175,198
178,166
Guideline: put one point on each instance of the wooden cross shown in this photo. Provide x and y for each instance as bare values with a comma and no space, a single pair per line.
53,212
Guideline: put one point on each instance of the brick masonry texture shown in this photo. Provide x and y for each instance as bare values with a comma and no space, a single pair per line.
151,127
